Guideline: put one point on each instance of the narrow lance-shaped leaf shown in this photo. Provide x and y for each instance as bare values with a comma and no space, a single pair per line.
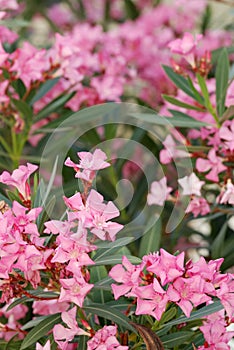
221,76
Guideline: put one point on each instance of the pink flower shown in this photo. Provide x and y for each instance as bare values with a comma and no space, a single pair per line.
191,185
198,206
168,267
49,307
63,335
151,299
90,163
126,274
8,5
158,192
101,214
186,292
228,195
226,133
105,339
45,347
186,46
19,179
213,163
74,289
171,152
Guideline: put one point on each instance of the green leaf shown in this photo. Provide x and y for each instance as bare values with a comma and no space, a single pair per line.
197,341
111,247
23,108
109,313
25,299
175,339
82,343
221,76
46,213
53,106
46,87
98,273
218,244
40,330
131,9
33,323
216,53
198,314
150,242
168,315
115,259
184,121
19,87
176,102
181,83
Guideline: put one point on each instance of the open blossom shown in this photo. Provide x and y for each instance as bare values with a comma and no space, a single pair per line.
105,339
228,195
62,335
151,300
158,192
167,267
19,178
186,46
226,133
191,185
198,206
89,163
213,164
171,152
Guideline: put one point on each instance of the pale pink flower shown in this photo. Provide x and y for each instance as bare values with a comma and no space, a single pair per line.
186,46
212,164
226,295
105,339
191,185
49,307
19,178
158,192
168,267
45,347
198,206
63,335
227,196
8,5
74,290
171,152
226,133
90,163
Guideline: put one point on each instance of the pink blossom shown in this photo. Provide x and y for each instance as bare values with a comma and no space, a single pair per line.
159,192
90,163
198,206
8,5
105,339
49,307
212,164
63,335
74,289
187,292
226,133
151,299
168,267
171,152
186,46
19,178
45,347
191,185
227,196
128,275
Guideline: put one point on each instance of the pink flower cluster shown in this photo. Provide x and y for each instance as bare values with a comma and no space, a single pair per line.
163,278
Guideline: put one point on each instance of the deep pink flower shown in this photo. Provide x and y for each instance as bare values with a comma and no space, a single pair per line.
19,178
191,185
212,164
168,267
105,339
151,300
